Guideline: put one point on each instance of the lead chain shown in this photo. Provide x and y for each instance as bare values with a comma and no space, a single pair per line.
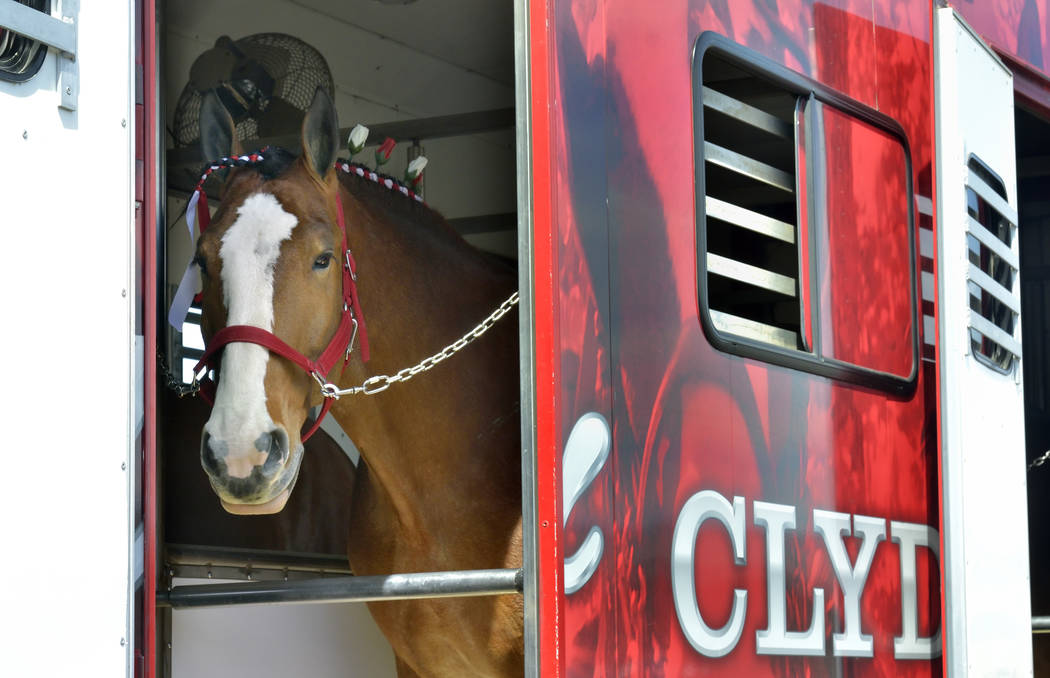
381,382
1040,461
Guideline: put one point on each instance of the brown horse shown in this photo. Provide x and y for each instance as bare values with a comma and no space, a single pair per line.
439,487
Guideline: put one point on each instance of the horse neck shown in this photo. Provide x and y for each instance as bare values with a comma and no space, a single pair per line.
454,427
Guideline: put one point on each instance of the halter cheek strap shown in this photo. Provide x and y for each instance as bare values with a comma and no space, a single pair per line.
351,322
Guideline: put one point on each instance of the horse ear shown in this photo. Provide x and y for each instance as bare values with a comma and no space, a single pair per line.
218,133
320,134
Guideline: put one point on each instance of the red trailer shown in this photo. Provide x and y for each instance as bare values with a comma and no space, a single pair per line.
774,258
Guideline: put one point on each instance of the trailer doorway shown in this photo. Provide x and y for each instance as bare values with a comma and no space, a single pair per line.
442,83
1033,174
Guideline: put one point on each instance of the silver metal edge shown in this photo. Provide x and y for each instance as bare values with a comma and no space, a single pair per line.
734,324
748,114
752,221
347,589
752,275
749,167
527,334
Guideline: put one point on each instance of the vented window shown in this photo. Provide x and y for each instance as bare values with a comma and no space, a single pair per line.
20,57
994,307
805,223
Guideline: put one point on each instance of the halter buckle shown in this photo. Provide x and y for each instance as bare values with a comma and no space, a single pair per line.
353,338
346,258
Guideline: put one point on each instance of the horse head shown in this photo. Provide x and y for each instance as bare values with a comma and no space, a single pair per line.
271,259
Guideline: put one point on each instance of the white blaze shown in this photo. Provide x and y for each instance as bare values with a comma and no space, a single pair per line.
249,254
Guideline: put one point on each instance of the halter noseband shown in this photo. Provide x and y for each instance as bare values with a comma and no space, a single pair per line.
351,323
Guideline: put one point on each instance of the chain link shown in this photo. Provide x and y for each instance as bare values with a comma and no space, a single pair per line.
1040,461
173,382
381,382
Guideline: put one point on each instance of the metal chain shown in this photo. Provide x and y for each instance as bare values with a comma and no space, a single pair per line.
173,382
381,382
1040,461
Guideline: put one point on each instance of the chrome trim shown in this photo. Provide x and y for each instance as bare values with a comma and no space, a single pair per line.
746,113
347,589
527,334
752,275
749,167
751,329
745,218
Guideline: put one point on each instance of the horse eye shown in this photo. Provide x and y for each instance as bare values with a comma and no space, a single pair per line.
322,262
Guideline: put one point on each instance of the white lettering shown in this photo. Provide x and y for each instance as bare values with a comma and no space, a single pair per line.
701,507
832,527
776,639
909,645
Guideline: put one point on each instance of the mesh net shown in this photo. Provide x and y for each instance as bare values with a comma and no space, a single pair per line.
296,70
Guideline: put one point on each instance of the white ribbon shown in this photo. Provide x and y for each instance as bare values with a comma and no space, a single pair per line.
180,304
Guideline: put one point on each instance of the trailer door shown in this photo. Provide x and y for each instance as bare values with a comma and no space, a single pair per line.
988,617
70,345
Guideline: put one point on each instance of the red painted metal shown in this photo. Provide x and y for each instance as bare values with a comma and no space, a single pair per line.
686,417
546,303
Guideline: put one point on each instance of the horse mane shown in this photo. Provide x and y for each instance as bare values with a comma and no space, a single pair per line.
390,196
378,192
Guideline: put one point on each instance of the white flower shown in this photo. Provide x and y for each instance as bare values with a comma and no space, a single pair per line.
415,168
356,140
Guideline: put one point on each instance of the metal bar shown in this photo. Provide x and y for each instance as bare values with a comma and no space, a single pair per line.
1040,624
745,218
992,286
751,329
992,242
995,333
990,196
749,167
348,589
256,559
752,275
746,113
36,25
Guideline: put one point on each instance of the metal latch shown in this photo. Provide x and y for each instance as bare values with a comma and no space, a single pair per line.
57,34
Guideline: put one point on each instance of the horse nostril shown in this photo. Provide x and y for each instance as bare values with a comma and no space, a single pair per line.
209,459
276,447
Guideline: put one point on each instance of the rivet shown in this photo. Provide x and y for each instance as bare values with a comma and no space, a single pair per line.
123,293
123,122
25,134
123,642
69,91
123,466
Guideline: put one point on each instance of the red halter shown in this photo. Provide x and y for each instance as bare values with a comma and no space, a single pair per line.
351,324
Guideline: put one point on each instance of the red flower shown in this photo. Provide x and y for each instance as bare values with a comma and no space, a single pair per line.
384,151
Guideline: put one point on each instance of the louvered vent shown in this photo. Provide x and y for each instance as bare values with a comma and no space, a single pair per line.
20,57
752,254
992,273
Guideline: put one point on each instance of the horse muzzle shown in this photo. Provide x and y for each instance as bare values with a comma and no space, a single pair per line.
251,477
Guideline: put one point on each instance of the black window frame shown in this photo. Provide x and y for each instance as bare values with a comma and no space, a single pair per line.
801,86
